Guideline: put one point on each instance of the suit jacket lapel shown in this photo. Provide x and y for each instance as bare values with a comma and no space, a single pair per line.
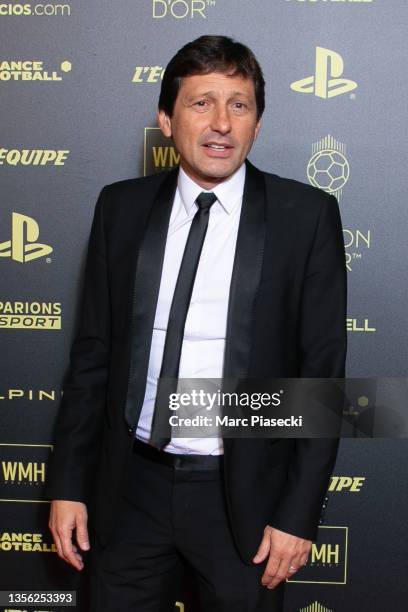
145,294
246,275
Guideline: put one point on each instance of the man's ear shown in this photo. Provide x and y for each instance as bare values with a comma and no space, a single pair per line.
257,128
164,123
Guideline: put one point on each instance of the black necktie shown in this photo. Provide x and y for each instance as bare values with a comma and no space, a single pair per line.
161,429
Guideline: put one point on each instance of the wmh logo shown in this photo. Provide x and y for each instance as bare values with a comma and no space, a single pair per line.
159,152
327,563
325,554
18,471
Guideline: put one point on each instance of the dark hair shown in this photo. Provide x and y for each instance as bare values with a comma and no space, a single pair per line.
211,54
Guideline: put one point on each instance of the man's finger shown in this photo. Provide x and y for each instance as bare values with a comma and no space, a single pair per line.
263,549
303,559
82,536
69,554
295,562
271,568
292,566
274,572
57,543
77,554
292,569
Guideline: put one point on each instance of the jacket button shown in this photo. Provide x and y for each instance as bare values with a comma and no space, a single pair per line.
130,430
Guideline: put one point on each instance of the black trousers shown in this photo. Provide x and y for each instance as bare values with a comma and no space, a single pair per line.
168,520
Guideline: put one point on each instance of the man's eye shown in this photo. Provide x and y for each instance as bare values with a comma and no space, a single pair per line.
201,103
239,105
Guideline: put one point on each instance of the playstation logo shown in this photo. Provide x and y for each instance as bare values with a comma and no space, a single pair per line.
23,246
325,82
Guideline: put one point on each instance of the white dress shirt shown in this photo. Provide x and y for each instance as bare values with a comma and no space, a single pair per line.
203,345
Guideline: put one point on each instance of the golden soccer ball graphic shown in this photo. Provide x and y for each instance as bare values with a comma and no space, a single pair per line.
329,170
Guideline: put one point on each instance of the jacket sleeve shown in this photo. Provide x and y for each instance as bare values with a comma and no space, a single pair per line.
78,430
322,347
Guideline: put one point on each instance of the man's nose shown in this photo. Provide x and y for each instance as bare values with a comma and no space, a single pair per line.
220,120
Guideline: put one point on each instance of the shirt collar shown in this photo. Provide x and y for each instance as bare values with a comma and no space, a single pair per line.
228,192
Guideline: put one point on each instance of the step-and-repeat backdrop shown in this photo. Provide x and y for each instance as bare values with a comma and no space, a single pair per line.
79,83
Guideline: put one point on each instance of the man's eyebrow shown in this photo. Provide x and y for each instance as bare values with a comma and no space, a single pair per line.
241,93
200,93
212,93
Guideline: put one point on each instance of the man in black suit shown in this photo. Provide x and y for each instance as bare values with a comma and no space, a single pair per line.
215,269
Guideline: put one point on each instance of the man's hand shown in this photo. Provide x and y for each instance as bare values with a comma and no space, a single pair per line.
287,553
64,517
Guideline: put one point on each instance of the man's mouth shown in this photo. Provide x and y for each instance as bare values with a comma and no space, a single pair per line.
217,147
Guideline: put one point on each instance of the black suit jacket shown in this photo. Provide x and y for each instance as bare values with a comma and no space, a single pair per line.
286,318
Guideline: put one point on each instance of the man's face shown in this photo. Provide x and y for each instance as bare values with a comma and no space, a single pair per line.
213,125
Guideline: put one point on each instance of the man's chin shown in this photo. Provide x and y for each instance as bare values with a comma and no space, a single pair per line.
219,171
208,174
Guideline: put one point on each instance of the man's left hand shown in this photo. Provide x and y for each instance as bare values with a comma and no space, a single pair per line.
287,553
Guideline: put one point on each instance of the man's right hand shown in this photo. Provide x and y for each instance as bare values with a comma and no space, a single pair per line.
65,516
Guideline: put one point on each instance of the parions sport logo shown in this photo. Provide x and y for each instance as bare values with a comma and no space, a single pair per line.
30,315
182,9
28,9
